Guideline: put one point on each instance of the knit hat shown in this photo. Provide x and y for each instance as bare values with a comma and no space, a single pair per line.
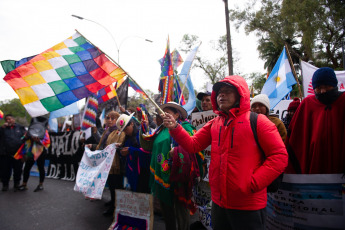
294,104
324,76
263,99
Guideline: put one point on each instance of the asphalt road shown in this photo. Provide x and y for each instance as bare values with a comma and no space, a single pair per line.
57,207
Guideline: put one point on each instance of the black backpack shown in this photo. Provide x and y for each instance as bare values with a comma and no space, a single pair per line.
274,186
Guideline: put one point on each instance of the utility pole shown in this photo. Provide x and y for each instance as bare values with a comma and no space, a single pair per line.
228,38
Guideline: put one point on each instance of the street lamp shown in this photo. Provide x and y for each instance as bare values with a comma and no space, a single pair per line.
131,36
117,47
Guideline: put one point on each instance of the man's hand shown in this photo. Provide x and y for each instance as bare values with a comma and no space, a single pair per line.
89,146
169,121
122,109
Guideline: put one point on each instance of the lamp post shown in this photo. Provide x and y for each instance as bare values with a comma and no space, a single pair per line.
131,36
117,47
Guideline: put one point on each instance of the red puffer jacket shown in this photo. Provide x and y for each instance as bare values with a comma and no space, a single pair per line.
238,176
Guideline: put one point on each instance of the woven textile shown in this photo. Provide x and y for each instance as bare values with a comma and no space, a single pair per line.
61,75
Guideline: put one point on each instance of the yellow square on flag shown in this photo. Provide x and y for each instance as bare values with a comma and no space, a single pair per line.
50,55
26,95
34,79
59,46
42,65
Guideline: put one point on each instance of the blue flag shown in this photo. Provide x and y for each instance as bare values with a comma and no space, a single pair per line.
280,81
184,75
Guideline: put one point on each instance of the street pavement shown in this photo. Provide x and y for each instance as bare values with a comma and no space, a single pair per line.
57,207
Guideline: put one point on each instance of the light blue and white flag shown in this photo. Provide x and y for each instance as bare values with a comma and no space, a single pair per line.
280,81
68,110
184,75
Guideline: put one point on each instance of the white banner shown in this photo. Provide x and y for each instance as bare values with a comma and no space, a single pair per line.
93,171
309,201
307,73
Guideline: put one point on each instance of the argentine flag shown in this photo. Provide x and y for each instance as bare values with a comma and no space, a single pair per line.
185,76
280,81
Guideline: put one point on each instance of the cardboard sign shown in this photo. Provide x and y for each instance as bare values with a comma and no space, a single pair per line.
133,209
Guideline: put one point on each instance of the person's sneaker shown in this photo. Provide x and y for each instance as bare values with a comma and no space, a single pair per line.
22,188
4,188
38,188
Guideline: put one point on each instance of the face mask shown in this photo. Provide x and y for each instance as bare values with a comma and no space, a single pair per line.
329,97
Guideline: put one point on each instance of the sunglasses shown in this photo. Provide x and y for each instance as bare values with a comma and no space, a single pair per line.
112,118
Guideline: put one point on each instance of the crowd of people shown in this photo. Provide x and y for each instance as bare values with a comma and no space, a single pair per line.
164,156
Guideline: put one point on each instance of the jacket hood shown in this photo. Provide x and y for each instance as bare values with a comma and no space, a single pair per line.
242,89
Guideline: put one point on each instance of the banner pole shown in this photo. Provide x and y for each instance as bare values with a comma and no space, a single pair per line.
294,71
153,102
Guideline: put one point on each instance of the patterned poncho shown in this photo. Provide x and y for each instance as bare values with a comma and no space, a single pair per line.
161,165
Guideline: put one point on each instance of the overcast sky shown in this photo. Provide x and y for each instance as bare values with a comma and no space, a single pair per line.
31,27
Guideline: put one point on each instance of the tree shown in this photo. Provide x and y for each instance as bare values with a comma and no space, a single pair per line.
228,38
313,29
18,111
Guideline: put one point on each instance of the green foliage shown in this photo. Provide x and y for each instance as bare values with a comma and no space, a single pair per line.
15,108
313,29
258,80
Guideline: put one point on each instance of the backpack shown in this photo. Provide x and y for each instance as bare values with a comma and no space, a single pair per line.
274,186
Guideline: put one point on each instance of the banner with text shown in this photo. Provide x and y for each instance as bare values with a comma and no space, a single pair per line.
313,201
202,192
93,171
64,155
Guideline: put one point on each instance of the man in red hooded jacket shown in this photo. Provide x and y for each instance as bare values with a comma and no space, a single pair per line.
238,174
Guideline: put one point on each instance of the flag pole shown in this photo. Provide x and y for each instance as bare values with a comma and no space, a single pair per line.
293,70
153,102
184,84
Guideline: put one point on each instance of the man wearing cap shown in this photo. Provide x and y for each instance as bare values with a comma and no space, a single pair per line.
260,104
316,134
238,174
205,98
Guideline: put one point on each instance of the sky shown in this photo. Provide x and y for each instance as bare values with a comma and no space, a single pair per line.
30,27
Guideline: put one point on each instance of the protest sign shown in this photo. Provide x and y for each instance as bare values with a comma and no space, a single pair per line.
199,120
93,171
308,201
63,155
202,192
133,210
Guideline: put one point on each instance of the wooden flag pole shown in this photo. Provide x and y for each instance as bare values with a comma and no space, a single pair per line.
153,102
294,71
184,84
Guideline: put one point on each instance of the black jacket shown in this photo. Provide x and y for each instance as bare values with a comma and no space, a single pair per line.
11,138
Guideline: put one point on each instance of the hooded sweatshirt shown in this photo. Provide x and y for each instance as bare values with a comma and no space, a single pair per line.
238,174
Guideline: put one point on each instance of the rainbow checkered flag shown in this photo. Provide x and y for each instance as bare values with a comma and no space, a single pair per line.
67,72
90,112
106,94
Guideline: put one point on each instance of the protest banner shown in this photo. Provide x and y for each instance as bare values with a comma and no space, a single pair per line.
93,171
202,192
308,201
63,155
133,210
